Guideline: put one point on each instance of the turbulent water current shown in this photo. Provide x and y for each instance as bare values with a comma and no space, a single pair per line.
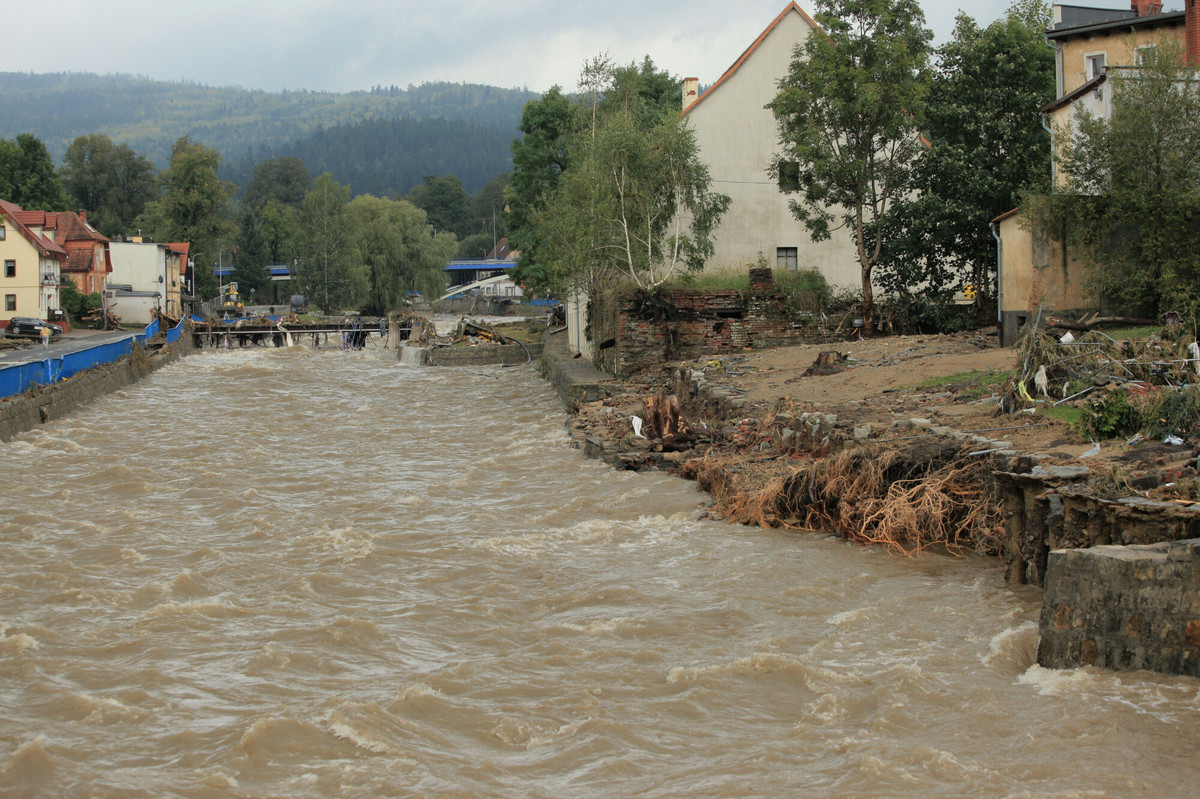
312,573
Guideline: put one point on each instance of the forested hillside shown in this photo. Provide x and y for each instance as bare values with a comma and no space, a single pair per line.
151,115
386,157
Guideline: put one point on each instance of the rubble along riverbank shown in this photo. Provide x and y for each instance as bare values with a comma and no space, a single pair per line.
871,455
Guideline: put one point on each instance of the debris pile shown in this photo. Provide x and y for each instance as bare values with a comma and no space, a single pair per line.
1148,388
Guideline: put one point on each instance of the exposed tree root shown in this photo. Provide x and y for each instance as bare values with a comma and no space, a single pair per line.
906,500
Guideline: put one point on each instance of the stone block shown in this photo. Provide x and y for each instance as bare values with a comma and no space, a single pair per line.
1191,633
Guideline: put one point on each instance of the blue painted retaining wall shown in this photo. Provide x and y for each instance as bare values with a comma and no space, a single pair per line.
18,378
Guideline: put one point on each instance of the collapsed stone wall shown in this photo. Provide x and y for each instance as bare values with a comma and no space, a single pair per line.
635,331
1051,507
42,404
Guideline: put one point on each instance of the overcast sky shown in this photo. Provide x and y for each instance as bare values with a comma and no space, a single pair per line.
357,44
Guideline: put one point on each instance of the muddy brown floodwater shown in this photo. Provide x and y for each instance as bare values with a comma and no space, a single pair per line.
298,573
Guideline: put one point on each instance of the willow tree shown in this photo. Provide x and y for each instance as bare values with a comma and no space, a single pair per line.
849,113
398,250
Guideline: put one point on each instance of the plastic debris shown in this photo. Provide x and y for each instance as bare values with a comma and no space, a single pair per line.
637,425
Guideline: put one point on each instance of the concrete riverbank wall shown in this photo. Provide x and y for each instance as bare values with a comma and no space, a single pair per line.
483,355
41,404
1123,608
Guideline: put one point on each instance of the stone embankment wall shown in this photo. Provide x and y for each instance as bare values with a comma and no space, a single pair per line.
1051,507
634,331
575,380
46,403
1123,608
482,355
484,305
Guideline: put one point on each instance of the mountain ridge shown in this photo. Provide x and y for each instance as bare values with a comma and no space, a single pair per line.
150,115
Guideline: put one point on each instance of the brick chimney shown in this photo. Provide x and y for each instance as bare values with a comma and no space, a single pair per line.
1193,31
1146,8
691,92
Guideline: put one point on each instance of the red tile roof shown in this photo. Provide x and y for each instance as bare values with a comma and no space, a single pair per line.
74,227
45,245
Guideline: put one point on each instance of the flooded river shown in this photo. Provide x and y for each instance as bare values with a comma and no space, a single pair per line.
299,573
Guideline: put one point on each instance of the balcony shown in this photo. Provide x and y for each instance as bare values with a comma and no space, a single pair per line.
49,279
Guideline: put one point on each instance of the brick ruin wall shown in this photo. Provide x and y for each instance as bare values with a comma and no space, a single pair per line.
632,333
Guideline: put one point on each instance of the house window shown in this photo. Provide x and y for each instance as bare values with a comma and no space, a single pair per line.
10,268
1144,53
2,233
787,258
789,176
10,302
1094,65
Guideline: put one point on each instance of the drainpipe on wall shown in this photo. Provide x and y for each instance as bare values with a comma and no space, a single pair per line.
999,290
1192,28
1058,89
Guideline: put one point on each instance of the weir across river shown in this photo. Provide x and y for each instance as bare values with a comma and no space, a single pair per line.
311,573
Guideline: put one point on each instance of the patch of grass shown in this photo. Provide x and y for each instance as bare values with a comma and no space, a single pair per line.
1065,413
1133,333
529,332
980,382
713,281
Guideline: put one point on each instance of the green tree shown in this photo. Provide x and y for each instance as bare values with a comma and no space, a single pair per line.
557,134
1131,198
476,246
9,155
487,208
327,270
540,157
281,231
647,92
194,205
849,111
398,250
445,202
250,257
28,177
285,180
987,147
74,302
637,203
110,181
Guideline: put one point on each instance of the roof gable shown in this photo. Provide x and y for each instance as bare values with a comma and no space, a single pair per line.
792,7
72,227
45,246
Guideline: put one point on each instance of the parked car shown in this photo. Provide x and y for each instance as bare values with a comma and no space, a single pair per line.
28,326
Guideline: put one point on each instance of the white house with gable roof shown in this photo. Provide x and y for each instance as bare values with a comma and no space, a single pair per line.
739,139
